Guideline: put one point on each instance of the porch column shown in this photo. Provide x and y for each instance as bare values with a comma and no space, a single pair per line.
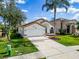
71,29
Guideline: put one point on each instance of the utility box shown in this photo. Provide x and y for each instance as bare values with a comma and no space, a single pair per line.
9,49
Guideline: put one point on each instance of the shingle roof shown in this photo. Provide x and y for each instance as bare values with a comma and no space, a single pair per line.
39,21
63,19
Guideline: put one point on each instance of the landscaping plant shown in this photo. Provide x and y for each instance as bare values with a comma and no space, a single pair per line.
12,16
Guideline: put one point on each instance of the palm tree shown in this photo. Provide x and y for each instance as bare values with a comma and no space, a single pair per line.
54,4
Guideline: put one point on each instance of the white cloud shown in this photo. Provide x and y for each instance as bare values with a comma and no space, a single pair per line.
25,22
17,1
24,10
59,10
76,16
44,18
71,9
74,1
41,17
21,1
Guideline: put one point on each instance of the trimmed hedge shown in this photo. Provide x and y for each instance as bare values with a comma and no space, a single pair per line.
16,36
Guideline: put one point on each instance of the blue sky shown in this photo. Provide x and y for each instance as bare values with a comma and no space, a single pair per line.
33,10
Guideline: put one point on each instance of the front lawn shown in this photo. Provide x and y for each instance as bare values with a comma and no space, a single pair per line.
19,47
68,40
43,58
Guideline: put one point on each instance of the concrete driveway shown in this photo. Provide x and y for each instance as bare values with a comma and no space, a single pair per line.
53,50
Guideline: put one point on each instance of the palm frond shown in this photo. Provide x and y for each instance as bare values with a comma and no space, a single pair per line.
46,5
1,0
52,4
65,2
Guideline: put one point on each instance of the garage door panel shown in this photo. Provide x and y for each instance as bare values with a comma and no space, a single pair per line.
36,32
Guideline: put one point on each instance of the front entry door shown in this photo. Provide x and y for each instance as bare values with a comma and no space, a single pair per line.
68,29
51,30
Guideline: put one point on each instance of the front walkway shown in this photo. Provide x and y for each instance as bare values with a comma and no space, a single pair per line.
53,50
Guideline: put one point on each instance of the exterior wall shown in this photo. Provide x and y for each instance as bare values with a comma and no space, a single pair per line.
0,33
34,30
57,25
72,26
65,23
21,30
48,26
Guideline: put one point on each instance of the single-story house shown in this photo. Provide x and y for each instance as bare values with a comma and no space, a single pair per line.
43,27
39,27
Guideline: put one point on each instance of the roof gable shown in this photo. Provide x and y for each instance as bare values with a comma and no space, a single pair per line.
31,23
39,21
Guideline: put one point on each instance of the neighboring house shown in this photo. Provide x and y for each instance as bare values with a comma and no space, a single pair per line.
0,33
43,27
68,25
39,27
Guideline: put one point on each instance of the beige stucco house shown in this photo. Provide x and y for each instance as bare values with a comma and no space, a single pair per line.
42,27
0,33
68,25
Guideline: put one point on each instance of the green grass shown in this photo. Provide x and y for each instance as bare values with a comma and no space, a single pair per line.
68,40
42,58
19,47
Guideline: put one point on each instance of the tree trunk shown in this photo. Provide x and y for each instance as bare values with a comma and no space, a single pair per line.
9,32
5,27
61,26
54,19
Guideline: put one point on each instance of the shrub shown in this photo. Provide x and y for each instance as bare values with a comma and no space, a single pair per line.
58,33
21,42
62,31
15,35
75,35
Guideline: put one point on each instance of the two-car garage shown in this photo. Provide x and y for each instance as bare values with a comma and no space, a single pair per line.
33,29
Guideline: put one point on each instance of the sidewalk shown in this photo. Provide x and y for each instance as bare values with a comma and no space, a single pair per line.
35,55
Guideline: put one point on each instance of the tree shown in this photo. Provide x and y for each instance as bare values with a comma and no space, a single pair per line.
13,17
78,25
2,29
1,26
54,4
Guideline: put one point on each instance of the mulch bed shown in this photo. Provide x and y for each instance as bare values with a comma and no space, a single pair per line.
53,38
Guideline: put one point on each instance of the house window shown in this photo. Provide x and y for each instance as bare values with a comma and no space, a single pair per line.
68,28
51,30
46,30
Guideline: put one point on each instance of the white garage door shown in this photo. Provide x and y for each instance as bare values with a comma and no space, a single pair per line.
34,32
